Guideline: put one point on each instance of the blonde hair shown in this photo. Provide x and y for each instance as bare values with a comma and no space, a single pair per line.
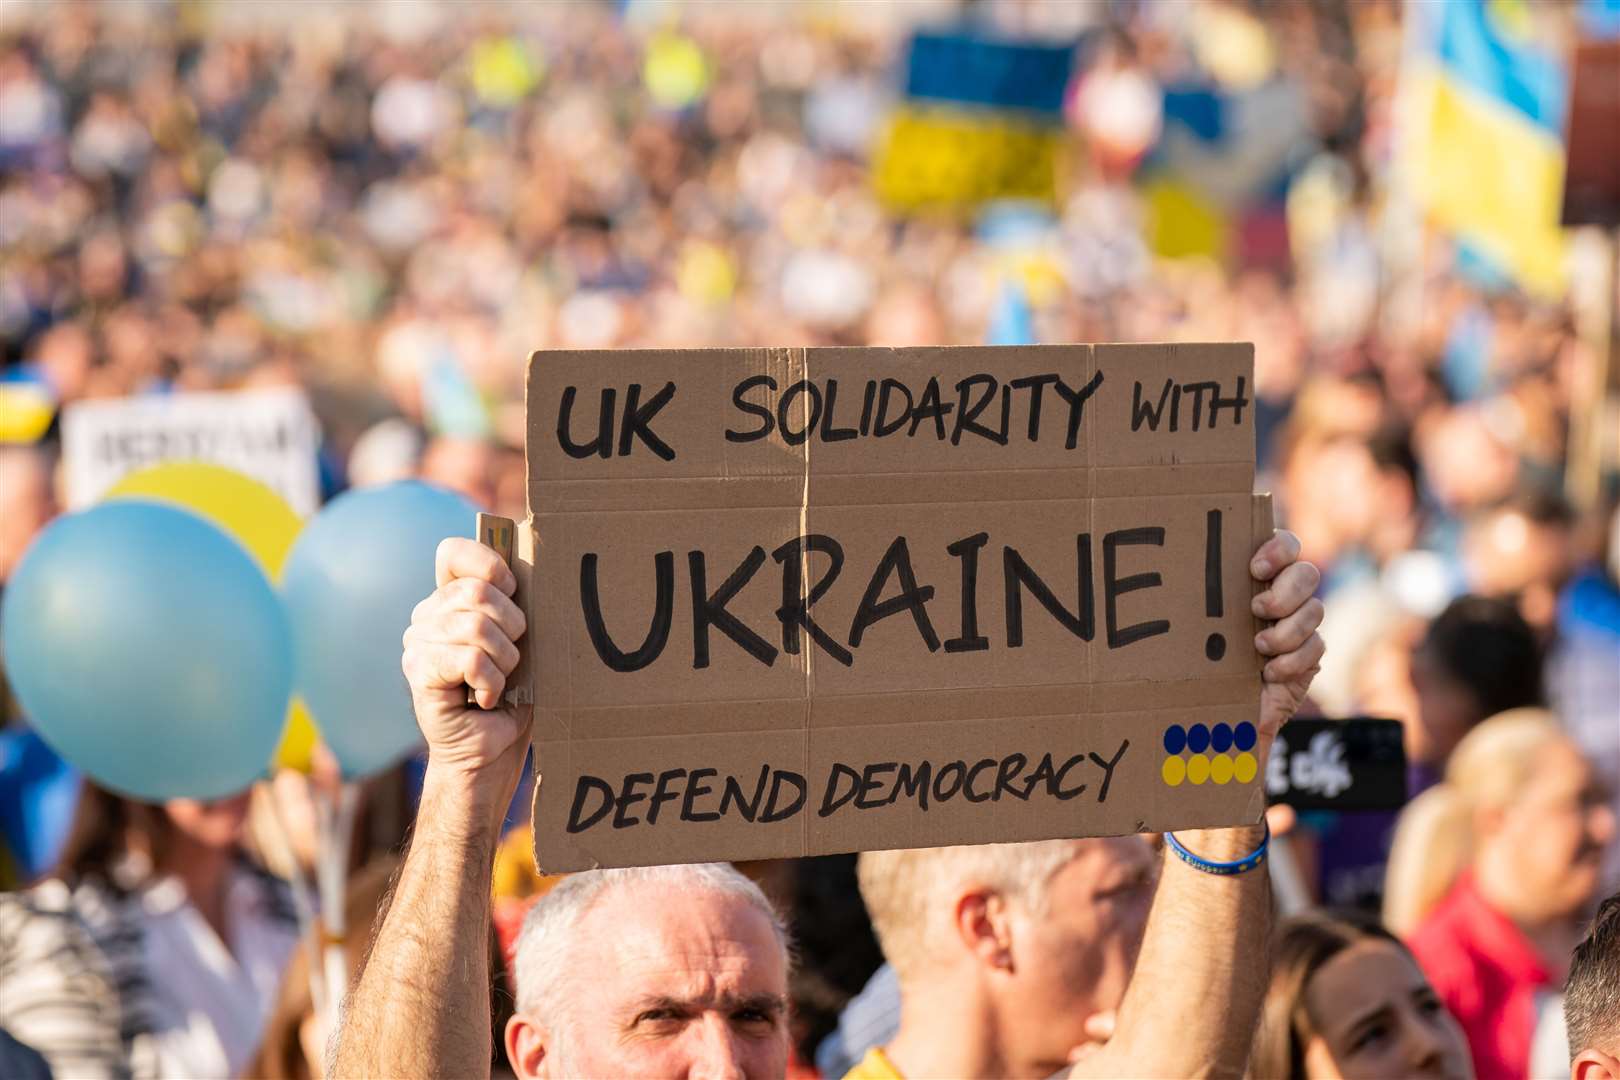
1434,838
903,889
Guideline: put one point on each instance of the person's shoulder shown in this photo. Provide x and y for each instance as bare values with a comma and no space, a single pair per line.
1442,945
874,1066
1443,930
52,907
33,925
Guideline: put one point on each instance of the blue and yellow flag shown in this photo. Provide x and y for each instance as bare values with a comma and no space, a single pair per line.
982,120
1482,140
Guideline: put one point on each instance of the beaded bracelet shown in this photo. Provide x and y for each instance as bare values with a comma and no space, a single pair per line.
1225,869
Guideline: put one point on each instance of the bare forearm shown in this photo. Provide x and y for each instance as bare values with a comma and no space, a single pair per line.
421,1005
1194,1000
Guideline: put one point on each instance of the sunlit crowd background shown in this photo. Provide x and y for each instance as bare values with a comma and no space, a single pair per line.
390,206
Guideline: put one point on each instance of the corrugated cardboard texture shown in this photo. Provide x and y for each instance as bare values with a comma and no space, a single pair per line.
1027,584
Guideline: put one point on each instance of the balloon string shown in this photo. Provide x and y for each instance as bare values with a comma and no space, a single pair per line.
303,894
335,816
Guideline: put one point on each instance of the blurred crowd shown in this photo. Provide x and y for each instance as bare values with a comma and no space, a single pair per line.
391,206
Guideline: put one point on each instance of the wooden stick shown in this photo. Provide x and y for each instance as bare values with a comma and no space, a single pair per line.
303,895
499,533
336,820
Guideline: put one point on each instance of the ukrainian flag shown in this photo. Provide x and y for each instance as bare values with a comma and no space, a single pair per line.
1482,134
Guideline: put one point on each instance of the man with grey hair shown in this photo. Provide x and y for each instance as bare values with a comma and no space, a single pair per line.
699,965
667,976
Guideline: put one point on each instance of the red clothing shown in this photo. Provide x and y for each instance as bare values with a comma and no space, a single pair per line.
1488,974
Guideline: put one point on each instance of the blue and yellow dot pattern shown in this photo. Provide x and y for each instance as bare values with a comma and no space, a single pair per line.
1200,754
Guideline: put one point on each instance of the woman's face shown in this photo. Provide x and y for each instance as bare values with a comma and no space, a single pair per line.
1377,1018
214,824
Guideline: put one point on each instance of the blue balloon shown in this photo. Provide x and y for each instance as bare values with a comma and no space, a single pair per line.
149,650
39,793
351,581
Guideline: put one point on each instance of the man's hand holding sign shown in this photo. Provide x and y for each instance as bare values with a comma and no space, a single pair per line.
777,596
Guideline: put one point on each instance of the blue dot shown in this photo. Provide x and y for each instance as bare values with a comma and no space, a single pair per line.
1245,736
1174,739
1220,739
1198,738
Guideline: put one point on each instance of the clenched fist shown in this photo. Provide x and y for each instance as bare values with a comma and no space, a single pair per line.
464,636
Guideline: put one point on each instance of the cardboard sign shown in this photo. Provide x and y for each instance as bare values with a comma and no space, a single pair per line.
801,601
270,435
1353,764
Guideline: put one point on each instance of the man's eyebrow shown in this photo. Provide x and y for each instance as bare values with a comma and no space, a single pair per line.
726,1002
767,1003
658,1002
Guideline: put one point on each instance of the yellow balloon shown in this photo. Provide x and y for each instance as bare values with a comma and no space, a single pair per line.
297,749
254,516
248,511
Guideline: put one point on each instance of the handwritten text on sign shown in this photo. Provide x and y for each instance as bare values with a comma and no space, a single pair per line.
271,435
802,601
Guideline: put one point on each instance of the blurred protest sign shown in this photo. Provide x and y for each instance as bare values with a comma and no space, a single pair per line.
800,601
1354,764
269,435
1592,197
982,120
1592,170
1481,137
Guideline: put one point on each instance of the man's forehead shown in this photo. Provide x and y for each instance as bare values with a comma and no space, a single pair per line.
1105,862
681,942
1104,851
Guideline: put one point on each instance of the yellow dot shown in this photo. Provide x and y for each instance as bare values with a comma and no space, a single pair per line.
1220,770
1245,768
1174,771
1198,768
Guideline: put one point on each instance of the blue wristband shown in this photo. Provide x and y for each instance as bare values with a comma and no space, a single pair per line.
1225,869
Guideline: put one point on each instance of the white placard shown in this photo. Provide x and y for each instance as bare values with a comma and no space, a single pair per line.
270,435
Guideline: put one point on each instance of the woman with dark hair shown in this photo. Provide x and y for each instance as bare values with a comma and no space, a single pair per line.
194,936
1348,1001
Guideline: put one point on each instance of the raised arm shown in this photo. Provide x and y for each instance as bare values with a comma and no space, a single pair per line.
421,1004
1194,1001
